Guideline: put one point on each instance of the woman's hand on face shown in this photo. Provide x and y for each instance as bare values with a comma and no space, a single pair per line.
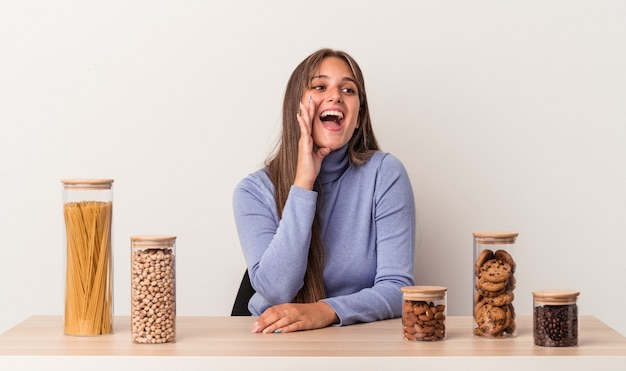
309,155
295,317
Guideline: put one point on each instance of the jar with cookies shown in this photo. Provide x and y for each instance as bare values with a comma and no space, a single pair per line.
153,289
424,313
494,284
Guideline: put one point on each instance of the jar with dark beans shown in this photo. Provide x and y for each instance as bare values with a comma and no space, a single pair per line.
555,318
556,325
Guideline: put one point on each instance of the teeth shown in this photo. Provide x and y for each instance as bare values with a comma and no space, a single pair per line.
332,113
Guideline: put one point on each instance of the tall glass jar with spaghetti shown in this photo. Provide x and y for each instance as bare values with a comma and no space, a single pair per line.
88,215
153,289
494,284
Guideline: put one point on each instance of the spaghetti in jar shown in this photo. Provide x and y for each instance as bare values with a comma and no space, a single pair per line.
88,216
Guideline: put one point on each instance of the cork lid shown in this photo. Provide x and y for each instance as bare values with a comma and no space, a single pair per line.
424,292
495,238
87,183
153,241
556,296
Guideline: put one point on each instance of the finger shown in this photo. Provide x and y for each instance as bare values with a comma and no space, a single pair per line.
311,107
292,327
256,327
308,111
277,326
304,121
323,152
263,326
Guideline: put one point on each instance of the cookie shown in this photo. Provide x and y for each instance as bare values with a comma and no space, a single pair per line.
510,285
490,287
511,327
484,256
495,270
492,320
508,316
492,294
479,304
512,310
477,297
504,299
506,258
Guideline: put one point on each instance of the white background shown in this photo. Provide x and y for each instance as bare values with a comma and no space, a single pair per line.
508,115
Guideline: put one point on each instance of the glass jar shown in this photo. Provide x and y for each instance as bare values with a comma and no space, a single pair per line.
88,215
424,313
555,318
494,285
153,289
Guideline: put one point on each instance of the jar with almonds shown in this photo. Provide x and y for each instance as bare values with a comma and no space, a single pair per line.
494,284
424,313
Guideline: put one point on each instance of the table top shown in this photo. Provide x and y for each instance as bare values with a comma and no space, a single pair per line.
227,342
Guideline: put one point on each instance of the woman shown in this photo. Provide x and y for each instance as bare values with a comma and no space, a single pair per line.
327,228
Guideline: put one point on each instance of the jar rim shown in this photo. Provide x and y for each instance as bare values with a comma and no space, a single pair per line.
424,289
556,294
495,238
153,237
153,241
87,183
495,234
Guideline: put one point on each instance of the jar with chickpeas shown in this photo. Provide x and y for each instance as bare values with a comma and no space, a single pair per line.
424,313
153,289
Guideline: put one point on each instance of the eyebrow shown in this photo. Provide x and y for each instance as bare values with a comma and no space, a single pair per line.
347,78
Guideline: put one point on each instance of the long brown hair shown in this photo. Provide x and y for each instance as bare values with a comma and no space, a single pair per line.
282,163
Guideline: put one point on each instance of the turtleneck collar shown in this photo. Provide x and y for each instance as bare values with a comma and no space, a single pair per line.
334,165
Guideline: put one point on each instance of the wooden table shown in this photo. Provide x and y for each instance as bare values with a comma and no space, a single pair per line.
227,343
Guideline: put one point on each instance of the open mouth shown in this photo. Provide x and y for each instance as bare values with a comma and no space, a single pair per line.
332,116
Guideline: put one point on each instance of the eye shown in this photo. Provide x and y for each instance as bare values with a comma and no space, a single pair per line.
349,88
318,87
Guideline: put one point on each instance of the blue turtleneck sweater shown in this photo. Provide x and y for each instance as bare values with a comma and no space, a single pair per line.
367,216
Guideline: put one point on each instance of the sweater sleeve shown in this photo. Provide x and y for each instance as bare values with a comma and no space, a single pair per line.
395,221
275,251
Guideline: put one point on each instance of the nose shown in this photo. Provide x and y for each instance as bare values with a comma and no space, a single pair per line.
334,95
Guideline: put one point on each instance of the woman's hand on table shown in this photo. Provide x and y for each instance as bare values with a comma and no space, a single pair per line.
292,317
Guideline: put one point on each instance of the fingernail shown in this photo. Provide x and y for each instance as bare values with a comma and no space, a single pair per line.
256,327
309,99
277,331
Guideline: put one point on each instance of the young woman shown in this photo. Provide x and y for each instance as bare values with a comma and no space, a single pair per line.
327,227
